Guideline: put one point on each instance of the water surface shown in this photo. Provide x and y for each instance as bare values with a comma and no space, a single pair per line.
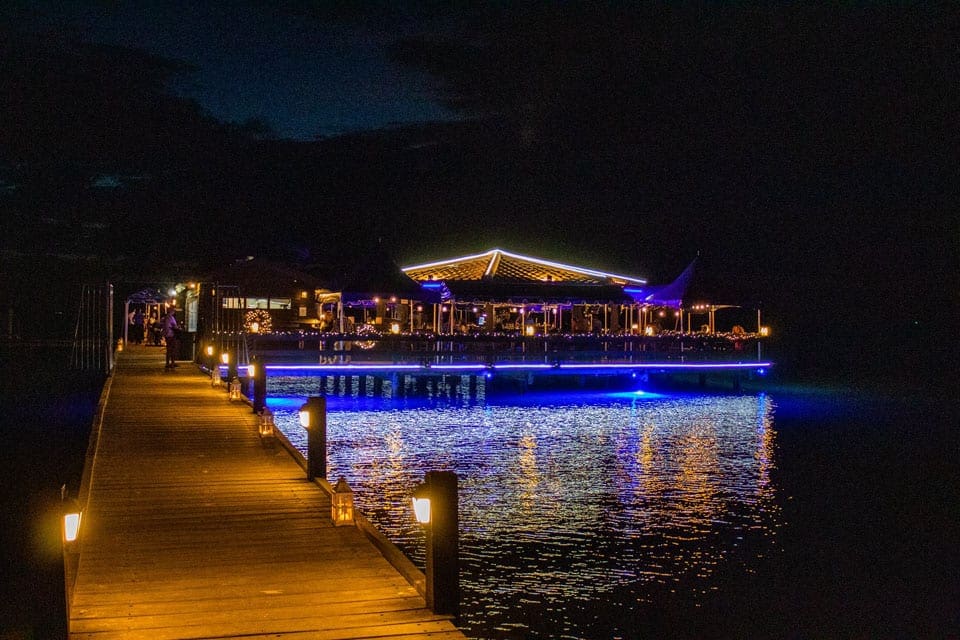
579,512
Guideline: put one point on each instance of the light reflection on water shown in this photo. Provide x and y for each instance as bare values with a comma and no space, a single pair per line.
574,508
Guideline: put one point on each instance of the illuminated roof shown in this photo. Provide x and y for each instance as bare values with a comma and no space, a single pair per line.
497,264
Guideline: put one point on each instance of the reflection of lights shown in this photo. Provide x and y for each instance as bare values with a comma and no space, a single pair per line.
572,470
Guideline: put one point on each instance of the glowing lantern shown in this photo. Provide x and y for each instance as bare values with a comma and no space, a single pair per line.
254,327
421,504
225,358
71,526
529,330
234,389
210,350
341,504
266,423
648,331
395,327
305,415
119,345
765,331
251,370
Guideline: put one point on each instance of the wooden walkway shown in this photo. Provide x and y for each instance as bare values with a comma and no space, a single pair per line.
194,529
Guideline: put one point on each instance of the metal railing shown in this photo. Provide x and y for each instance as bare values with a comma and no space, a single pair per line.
93,348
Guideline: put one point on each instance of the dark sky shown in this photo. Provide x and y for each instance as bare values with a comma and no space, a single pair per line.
808,153
306,73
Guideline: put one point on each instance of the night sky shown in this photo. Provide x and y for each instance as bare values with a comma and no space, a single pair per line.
806,154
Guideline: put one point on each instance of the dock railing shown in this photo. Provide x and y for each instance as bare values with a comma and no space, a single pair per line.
427,349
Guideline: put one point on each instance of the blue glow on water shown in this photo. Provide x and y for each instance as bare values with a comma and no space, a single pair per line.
639,394
569,501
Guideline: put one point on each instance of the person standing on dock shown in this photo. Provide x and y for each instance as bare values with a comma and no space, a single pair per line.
170,333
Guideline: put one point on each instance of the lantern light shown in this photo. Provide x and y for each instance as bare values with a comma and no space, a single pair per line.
210,350
421,504
71,526
120,344
234,389
266,423
305,415
341,504
225,358
648,331
395,327
765,331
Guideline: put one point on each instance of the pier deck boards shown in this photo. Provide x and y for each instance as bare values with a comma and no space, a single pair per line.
194,529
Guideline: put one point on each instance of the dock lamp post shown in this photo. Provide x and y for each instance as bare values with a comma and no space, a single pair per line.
259,374
313,418
435,506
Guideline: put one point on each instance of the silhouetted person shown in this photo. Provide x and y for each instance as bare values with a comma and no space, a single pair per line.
171,332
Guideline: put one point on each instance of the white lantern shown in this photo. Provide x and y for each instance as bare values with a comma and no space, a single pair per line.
341,504
266,423
234,389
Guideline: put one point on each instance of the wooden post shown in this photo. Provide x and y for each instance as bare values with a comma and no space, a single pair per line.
259,385
317,438
443,556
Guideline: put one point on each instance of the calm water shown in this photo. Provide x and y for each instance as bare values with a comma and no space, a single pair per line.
812,512
803,513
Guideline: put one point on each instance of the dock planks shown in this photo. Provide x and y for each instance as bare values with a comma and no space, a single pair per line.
194,529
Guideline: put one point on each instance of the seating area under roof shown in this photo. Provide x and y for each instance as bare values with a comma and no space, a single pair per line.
497,264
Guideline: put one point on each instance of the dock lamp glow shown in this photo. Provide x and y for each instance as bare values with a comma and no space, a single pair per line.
313,418
71,524
435,505
421,504
341,504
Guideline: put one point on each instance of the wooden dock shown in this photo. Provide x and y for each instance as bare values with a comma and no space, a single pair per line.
192,528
